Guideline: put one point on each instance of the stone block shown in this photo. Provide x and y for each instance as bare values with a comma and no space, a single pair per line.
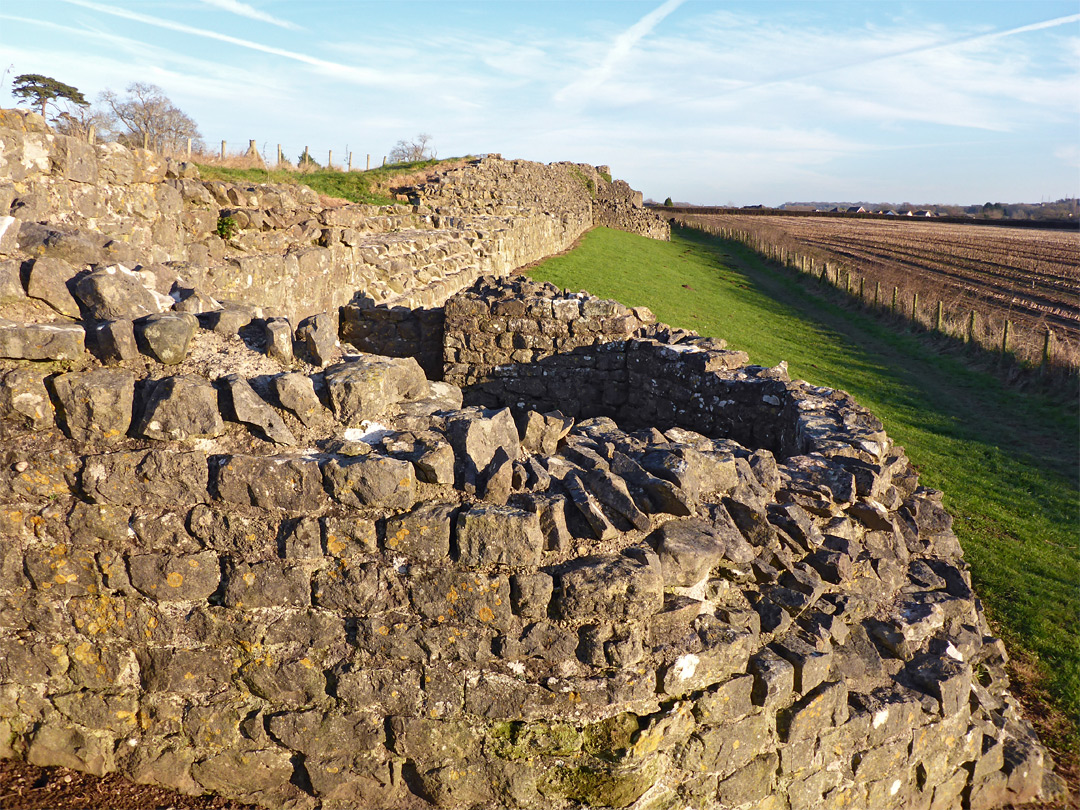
179,408
96,405
272,583
41,341
824,707
24,399
488,535
292,483
175,577
364,387
166,337
113,341
146,478
115,294
462,597
372,480
609,586
47,280
251,409
422,534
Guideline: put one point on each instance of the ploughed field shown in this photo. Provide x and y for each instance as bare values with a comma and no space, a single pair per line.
1030,276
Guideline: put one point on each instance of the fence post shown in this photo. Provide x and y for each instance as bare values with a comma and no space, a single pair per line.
367,167
970,336
1046,349
914,307
1005,337
279,155
91,135
877,294
862,287
937,317
329,158
350,161
384,160
895,299
223,150
307,157
145,140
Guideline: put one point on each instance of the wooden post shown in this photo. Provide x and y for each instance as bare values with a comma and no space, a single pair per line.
914,307
1005,337
877,294
1046,349
329,158
223,150
970,336
146,140
350,161
862,283
937,317
279,155
384,160
252,150
367,167
307,158
91,134
895,298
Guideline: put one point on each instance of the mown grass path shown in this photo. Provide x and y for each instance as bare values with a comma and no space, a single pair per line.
1007,460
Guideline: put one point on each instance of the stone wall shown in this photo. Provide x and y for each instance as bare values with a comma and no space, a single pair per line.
339,587
292,252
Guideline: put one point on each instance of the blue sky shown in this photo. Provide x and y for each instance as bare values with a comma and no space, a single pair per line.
707,102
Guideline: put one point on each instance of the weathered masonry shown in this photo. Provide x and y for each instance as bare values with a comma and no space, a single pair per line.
602,563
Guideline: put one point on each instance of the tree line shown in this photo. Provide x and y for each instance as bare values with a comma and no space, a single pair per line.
145,117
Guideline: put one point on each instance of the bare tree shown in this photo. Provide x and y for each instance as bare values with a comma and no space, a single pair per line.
79,121
146,117
422,147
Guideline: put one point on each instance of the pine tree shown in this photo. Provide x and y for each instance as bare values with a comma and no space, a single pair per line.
37,89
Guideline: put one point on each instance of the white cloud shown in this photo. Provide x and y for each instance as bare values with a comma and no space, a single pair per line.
245,10
593,79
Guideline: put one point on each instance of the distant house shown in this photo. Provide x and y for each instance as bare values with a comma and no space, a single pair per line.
890,213
924,213
857,209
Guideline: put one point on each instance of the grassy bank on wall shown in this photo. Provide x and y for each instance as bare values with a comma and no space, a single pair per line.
1006,459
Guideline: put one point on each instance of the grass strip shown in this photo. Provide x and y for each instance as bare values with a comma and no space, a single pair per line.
369,187
1007,459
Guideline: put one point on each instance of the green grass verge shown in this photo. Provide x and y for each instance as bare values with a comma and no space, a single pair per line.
1006,459
359,187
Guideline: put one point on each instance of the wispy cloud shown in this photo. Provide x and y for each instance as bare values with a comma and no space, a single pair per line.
245,10
348,73
620,49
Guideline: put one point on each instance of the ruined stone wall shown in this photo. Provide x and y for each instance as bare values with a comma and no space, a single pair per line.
339,588
534,346
292,252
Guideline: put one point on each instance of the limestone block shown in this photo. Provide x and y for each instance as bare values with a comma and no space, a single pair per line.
609,586
77,248
279,340
249,408
175,577
115,163
96,405
270,482
296,393
146,478
179,408
74,159
114,341
316,338
371,481
489,535
271,583
475,434
166,336
364,387
24,399
688,550
47,280
462,597
115,294
41,341
11,288
423,533
345,537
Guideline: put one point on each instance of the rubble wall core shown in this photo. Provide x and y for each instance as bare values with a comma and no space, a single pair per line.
603,563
